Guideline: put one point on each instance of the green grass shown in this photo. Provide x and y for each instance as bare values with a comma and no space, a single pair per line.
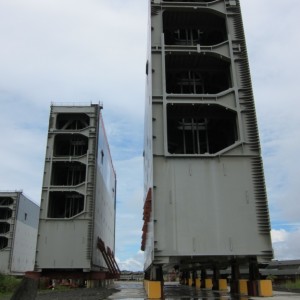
8,284
292,285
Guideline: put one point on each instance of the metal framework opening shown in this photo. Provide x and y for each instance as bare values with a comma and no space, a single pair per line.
189,1
64,205
72,121
4,227
192,28
200,129
6,201
5,213
68,173
70,145
3,242
197,74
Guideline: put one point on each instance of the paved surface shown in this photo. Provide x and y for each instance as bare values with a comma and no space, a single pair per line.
280,296
129,290
173,291
135,290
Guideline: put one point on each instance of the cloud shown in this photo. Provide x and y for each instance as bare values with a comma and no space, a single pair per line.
136,263
286,244
274,65
23,147
58,51
129,207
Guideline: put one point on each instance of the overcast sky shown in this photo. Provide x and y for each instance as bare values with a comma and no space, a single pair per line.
95,50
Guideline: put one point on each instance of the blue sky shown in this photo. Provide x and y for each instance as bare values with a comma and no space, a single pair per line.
95,50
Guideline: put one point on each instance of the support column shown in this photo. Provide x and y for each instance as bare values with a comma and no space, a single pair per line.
203,278
188,278
194,277
27,289
154,286
184,278
235,276
254,276
216,278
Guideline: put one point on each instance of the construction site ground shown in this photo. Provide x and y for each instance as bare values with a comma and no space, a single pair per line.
134,290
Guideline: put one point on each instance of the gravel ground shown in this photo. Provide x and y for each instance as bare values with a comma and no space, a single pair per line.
74,294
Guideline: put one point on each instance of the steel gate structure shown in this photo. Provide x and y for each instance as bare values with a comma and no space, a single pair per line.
205,197
78,206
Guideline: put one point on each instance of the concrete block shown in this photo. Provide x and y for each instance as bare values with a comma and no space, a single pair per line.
265,288
223,285
208,283
243,286
153,289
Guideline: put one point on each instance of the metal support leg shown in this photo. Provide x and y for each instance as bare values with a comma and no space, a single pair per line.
235,276
147,274
216,277
194,277
254,276
160,276
183,278
203,277
188,276
253,269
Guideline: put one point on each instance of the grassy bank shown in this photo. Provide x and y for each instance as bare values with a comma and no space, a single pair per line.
8,284
292,285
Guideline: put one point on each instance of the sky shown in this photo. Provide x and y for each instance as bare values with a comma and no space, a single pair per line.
83,51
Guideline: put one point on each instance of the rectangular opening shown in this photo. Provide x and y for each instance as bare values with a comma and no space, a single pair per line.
64,205
199,1
5,213
5,201
4,227
3,242
72,121
197,74
70,145
68,174
192,28
199,129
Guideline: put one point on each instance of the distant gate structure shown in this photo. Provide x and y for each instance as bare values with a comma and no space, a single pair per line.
77,219
19,218
205,197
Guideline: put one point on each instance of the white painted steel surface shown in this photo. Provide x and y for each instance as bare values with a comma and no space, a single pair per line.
71,243
19,256
209,205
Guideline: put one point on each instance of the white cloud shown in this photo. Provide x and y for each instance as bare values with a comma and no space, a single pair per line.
66,51
286,244
272,35
136,263
129,207
279,236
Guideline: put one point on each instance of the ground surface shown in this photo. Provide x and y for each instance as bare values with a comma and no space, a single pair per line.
135,290
74,294
78,294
